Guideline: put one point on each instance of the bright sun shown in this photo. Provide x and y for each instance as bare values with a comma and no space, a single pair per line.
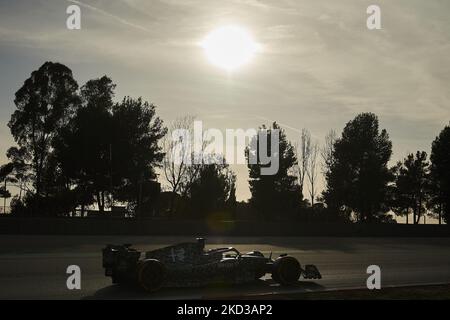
229,47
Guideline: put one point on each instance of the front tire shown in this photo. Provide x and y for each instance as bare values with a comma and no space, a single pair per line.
151,275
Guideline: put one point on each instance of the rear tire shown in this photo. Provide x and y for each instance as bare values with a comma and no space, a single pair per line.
151,275
286,270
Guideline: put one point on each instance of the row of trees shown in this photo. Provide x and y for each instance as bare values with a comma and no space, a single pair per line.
360,185
77,147
421,188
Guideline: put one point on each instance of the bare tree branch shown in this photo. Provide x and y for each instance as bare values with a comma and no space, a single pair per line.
303,153
311,171
327,151
176,163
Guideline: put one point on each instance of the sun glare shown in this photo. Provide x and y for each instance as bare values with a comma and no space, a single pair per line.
229,47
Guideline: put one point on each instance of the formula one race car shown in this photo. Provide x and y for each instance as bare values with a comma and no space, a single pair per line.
189,265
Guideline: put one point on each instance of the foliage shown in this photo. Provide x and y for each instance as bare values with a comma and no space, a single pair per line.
411,188
79,147
213,191
44,104
358,177
440,172
275,196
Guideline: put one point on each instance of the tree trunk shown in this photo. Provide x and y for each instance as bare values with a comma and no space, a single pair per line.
40,165
140,196
4,200
415,214
172,204
101,207
420,211
37,183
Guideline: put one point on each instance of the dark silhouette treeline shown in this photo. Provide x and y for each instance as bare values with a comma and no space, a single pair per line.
77,149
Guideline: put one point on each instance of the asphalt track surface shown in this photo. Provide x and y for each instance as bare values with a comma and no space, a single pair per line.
34,267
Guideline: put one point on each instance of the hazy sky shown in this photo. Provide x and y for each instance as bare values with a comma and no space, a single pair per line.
318,66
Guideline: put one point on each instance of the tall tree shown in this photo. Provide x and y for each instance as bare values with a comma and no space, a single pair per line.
327,152
311,172
399,201
274,196
83,147
440,174
231,203
303,154
327,155
136,152
411,186
98,93
177,161
44,104
358,177
213,191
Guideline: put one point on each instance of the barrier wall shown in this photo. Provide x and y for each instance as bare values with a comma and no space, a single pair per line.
110,226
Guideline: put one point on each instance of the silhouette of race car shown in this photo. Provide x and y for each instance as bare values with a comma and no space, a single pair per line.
190,265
